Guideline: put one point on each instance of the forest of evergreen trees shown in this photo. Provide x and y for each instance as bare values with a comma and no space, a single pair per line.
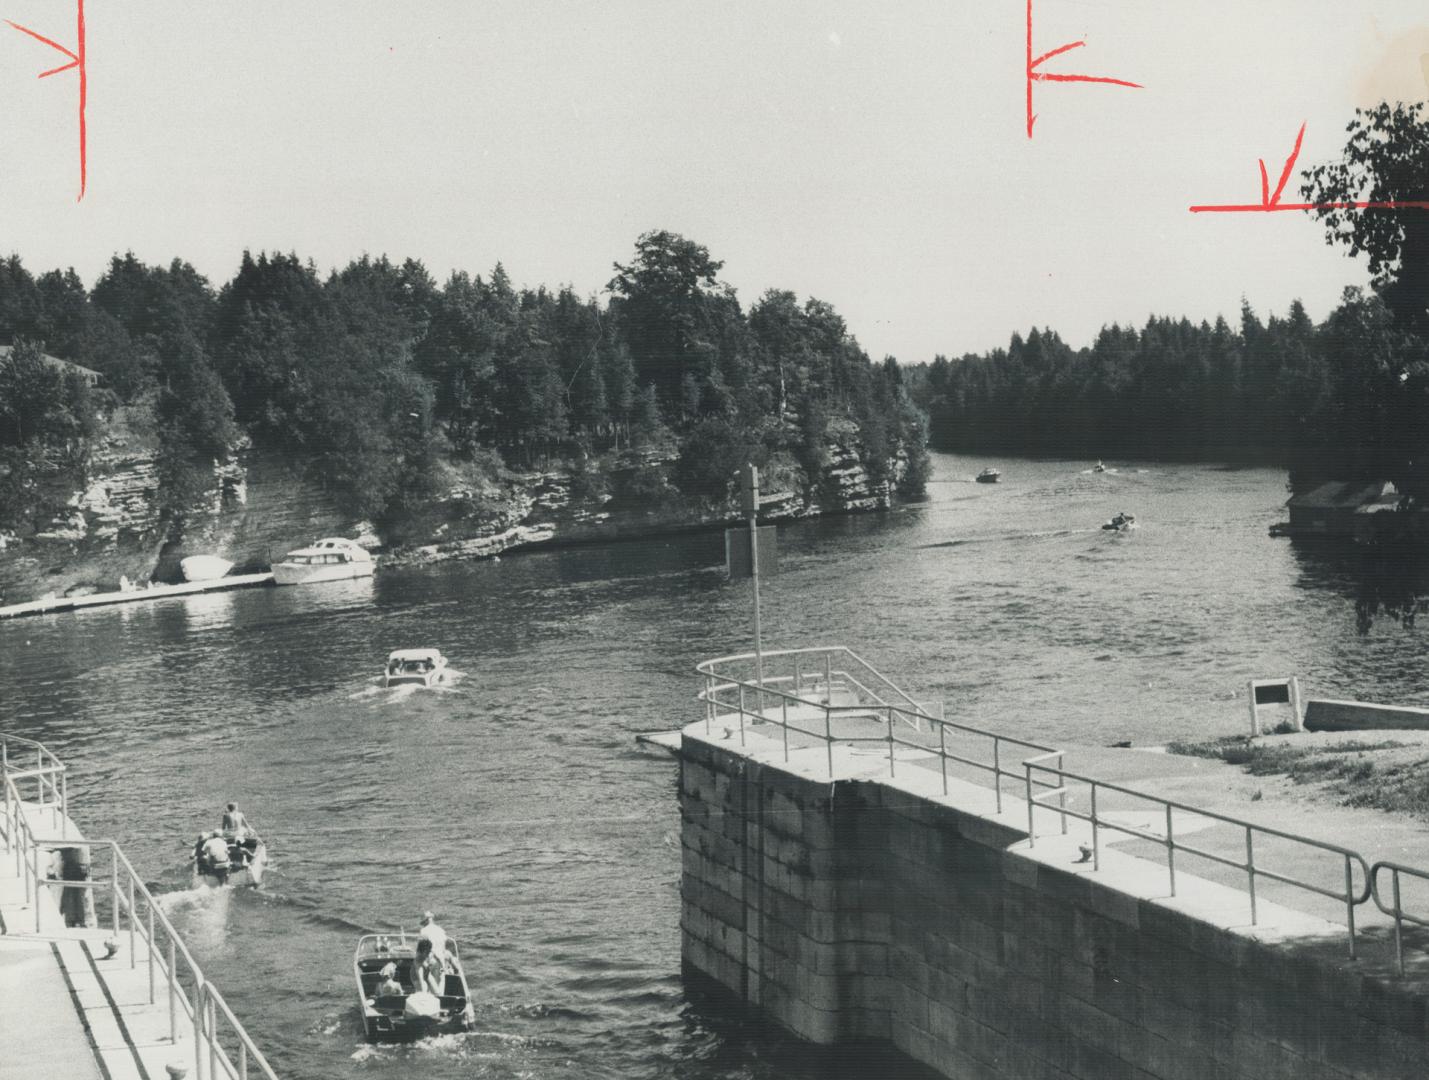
375,375
1342,399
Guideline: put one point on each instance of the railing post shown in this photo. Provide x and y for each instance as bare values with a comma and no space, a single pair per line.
173,994
1062,792
943,753
35,859
1350,903
1096,835
114,891
890,740
199,1005
1031,810
212,1035
151,952
39,778
996,770
1398,925
64,805
741,714
784,702
1170,850
133,960
1250,871
829,737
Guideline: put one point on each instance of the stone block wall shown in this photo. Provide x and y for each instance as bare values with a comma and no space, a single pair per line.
854,912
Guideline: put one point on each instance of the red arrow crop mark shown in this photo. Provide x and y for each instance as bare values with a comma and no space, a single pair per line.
1270,202
77,62
1033,75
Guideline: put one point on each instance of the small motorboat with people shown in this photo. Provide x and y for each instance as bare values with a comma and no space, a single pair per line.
330,559
1098,467
989,476
419,667
229,860
204,567
395,990
1121,523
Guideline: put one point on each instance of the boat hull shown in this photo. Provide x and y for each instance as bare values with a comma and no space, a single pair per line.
430,678
204,567
300,574
249,873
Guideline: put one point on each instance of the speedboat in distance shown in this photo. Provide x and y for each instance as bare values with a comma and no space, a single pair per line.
419,667
1121,523
989,476
391,1010
330,559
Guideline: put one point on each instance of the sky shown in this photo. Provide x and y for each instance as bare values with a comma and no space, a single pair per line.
871,154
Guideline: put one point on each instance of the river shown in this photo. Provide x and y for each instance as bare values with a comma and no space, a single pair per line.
515,803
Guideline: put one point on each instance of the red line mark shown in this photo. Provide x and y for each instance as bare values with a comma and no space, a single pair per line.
1033,75
1270,203
77,61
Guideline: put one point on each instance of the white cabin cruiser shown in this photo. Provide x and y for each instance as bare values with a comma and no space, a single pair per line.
419,667
330,559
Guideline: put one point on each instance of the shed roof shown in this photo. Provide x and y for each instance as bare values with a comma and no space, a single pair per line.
88,374
1342,495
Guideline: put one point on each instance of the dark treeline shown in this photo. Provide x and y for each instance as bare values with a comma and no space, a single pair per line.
1348,398
378,379
1316,398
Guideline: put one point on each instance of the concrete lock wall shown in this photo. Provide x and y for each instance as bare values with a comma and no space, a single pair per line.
852,912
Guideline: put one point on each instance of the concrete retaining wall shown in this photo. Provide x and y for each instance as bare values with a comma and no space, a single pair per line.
1322,715
852,912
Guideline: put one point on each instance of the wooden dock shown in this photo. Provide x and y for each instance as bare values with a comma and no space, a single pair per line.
131,596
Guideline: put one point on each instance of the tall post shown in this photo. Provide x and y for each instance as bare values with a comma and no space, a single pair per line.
749,495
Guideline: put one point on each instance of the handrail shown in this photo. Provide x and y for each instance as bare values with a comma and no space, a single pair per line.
727,692
1350,897
1397,912
127,892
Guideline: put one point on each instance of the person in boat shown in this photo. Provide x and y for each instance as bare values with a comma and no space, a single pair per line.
389,986
235,825
213,856
428,973
432,932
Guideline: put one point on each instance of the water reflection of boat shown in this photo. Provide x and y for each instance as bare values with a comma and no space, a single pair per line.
383,962
989,476
332,559
420,667
204,567
1121,523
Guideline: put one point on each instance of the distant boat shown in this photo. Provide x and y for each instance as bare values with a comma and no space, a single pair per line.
204,567
244,865
1121,523
332,559
1099,467
392,1011
989,476
420,667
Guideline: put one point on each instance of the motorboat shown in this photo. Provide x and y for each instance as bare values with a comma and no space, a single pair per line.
204,567
1121,523
419,667
246,863
1098,467
989,476
330,559
384,961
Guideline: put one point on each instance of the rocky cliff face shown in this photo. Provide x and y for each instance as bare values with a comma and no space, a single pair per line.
260,507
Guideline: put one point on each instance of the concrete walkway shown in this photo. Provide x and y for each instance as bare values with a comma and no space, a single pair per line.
83,1003
1217,893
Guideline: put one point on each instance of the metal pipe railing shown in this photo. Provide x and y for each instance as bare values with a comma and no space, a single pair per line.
127,892
1349,896
1396,911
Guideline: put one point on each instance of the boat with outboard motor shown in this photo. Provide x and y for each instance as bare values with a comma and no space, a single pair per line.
1121,523
1098,467
230,860
330,559
419,667
989,476
392,1009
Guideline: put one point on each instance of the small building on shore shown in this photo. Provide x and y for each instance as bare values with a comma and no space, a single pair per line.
88,375
1340,508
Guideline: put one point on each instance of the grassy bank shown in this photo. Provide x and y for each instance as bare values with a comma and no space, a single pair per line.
1383,775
